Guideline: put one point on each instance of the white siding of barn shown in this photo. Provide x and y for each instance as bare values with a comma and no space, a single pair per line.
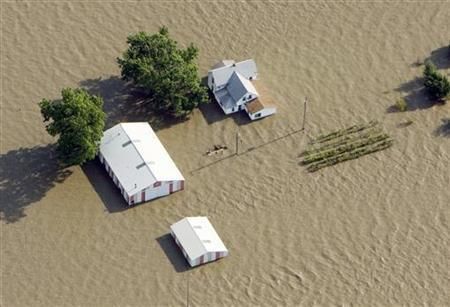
153,192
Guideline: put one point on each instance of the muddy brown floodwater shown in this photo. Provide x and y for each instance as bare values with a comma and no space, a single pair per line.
373,231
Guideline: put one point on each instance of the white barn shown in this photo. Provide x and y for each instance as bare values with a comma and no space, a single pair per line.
198,240
233,86
138,163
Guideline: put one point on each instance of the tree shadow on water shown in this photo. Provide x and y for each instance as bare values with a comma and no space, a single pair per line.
444,129
415,96
26,175
123,102
440,57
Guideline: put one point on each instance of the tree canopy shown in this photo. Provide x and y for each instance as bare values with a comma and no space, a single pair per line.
436,83
168,74
78,120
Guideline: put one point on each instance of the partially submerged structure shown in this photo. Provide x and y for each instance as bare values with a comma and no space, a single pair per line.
198,240
234,87
138,163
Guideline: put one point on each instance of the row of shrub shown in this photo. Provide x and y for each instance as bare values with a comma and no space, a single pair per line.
345,144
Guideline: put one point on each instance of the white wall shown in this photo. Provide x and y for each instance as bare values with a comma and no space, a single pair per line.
210,84
240,102
247,99
264,112
155,192
208,257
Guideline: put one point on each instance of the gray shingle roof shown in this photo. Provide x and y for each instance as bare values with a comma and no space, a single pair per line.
223,74
238,86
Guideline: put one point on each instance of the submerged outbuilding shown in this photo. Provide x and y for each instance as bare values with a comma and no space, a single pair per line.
198,240
138,163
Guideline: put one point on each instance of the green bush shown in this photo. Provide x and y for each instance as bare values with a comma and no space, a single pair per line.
401,105
437,84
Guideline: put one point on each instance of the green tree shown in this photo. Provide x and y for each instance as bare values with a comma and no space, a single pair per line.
167,73
79,120
436,83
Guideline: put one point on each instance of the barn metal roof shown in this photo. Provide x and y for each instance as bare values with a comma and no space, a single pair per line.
137,157
197,236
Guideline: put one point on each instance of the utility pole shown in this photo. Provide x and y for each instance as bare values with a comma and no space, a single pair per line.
187,293
304,113
237,143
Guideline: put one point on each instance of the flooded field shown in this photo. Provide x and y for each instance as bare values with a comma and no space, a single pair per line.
372,231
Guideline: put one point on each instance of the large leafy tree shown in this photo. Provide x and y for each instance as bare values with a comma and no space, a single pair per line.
169,74
79,120
436,83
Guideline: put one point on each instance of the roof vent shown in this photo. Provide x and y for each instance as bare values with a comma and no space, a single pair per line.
206,241
197,227
140,165
126,144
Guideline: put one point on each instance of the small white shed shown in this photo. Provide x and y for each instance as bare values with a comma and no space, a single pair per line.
138,163
198,240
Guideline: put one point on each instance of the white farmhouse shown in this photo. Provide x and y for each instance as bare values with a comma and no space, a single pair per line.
198,240
234,87
138,163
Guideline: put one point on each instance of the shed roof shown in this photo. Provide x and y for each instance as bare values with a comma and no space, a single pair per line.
197,236
254,106
137,157
223,63
238,86
223,74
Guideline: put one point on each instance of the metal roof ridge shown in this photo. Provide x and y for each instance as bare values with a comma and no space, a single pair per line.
142,158
196,234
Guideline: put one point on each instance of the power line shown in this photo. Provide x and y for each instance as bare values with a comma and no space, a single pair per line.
304,113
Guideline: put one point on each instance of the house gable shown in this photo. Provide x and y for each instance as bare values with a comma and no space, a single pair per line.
238,87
